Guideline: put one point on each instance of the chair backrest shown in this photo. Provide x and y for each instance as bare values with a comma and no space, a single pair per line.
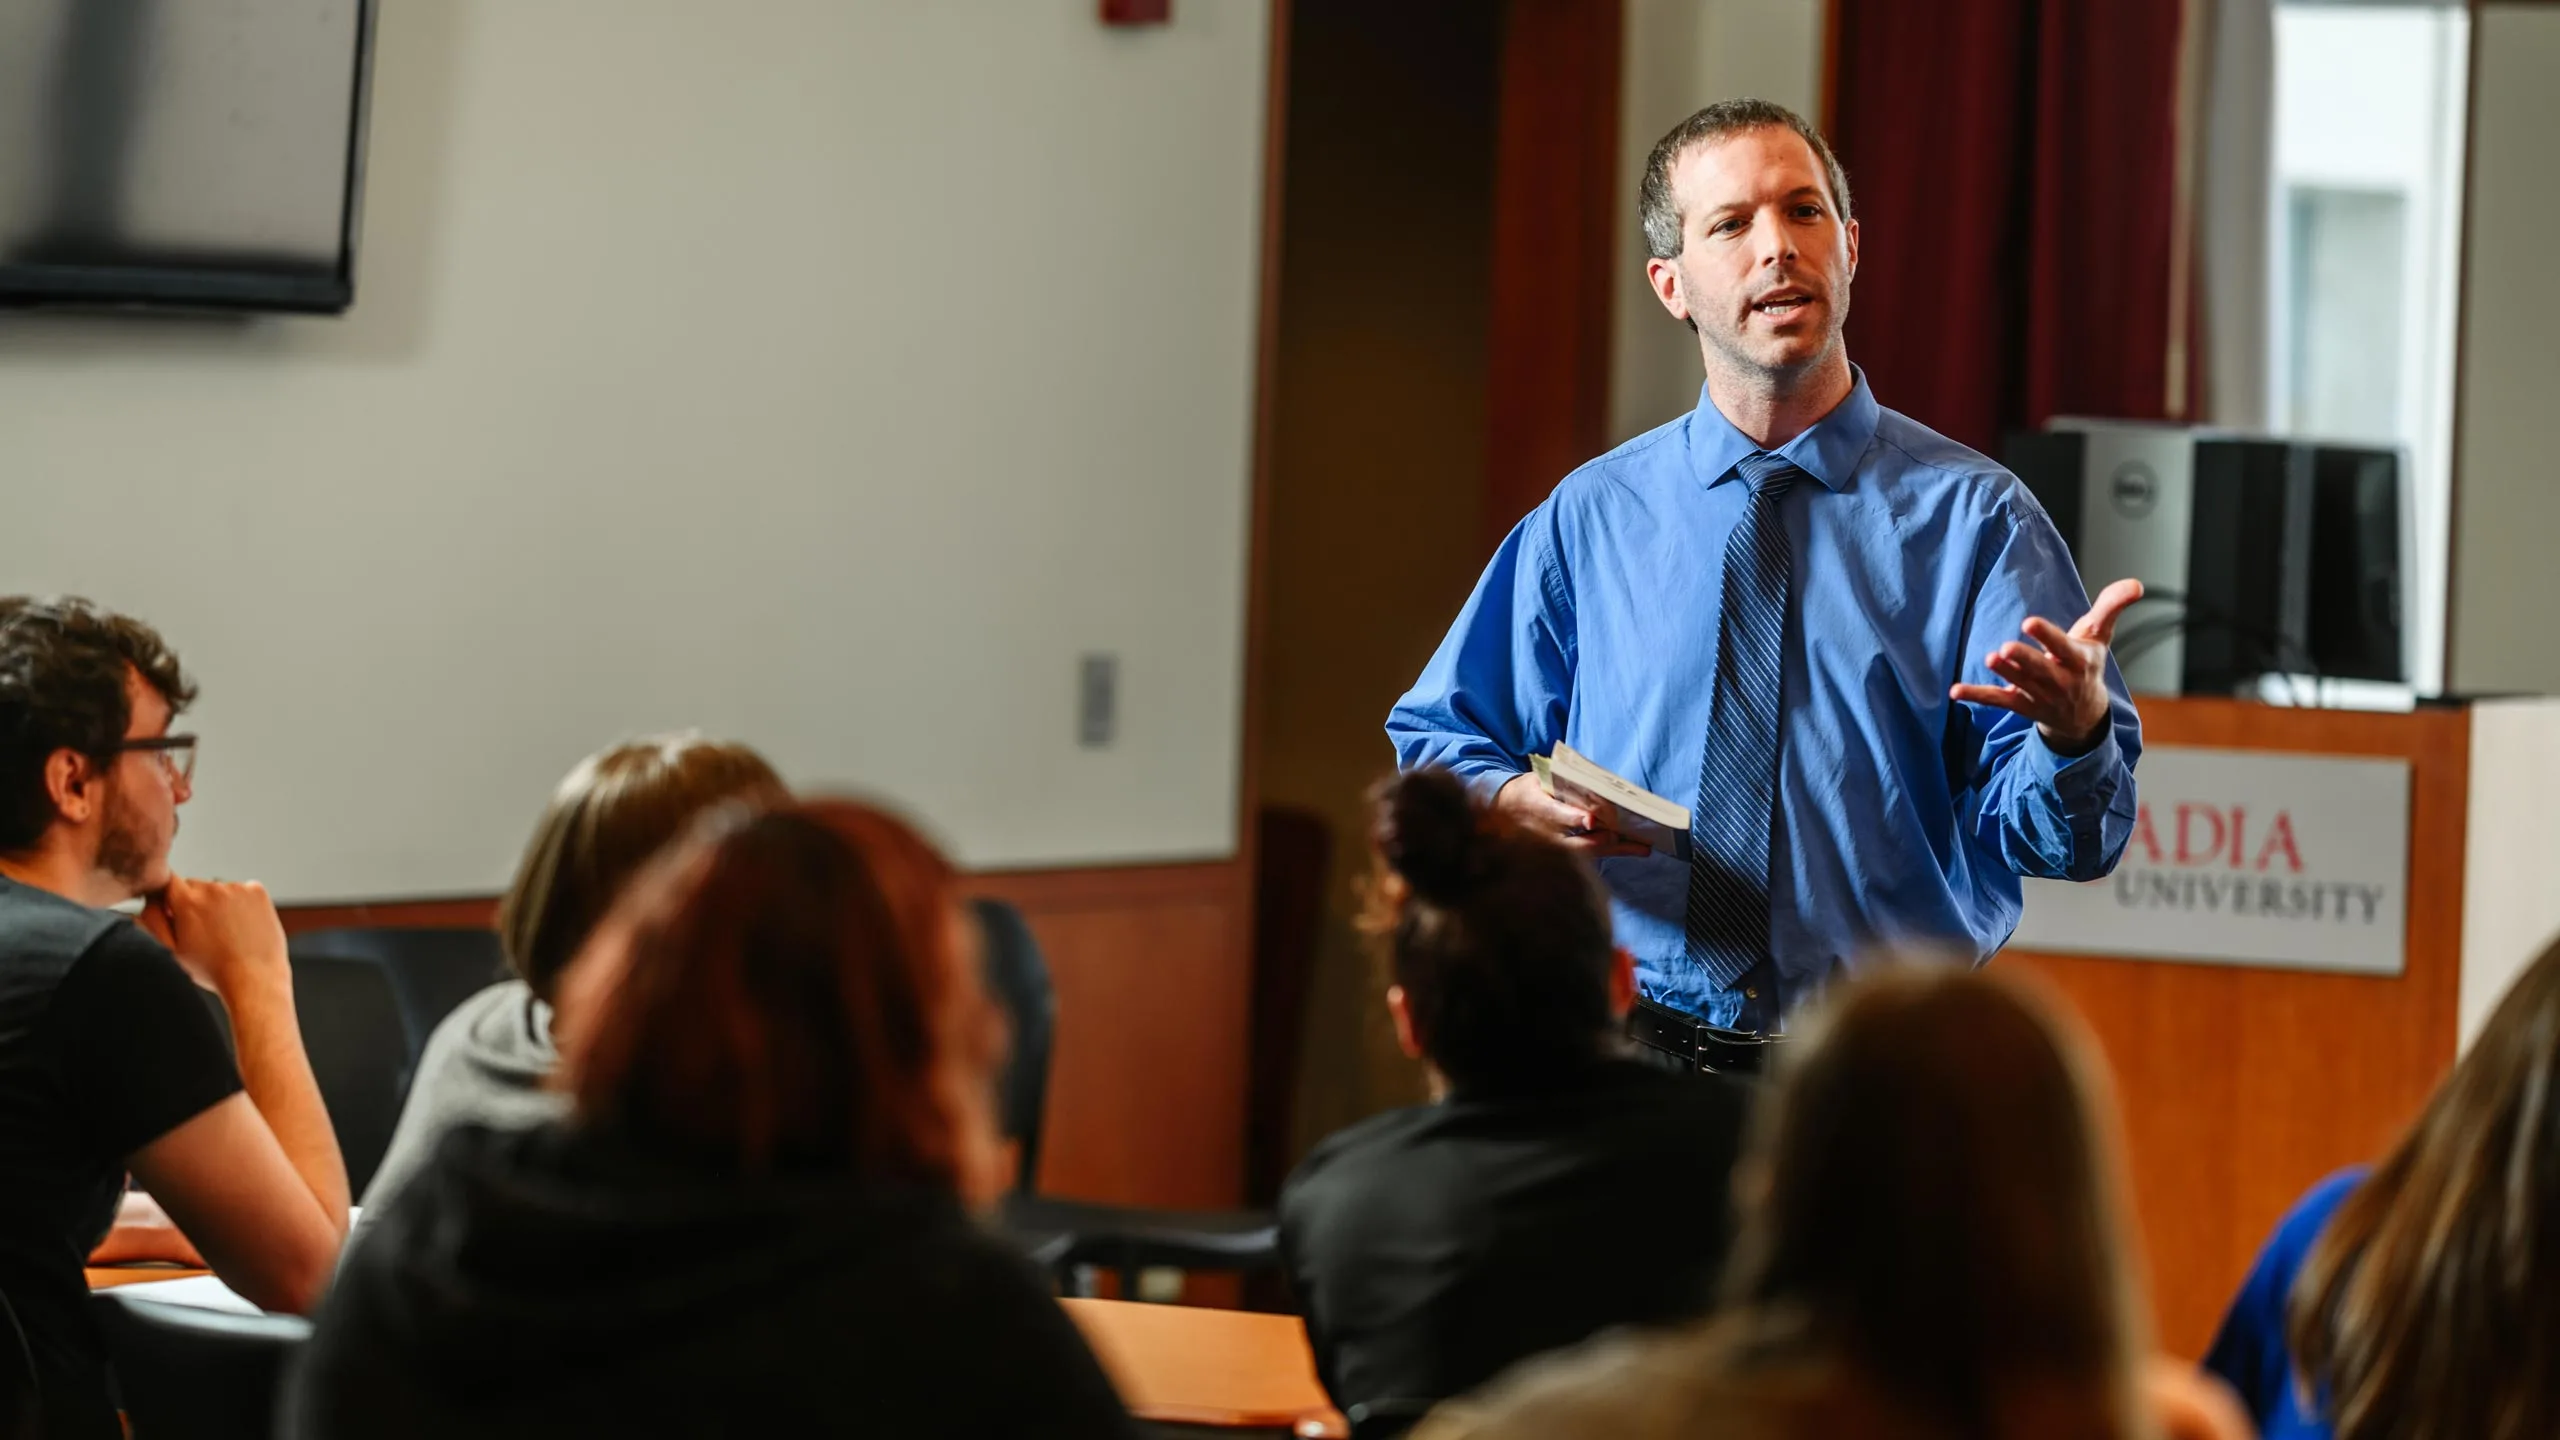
188,1373
1018,974
360,1054
431,968
1293,864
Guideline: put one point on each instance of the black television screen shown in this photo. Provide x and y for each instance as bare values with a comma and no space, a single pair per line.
179,152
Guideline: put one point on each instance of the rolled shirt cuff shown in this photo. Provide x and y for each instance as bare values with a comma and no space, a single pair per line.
2076,777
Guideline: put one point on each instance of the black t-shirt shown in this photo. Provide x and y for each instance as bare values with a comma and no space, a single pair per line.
105,1046
555,1282
1433,1247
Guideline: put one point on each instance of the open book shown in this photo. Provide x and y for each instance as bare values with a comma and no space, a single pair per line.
1643,816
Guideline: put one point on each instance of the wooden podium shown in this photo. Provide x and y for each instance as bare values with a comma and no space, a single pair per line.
2242,1085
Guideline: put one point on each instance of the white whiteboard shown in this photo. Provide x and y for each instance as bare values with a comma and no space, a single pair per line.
827,375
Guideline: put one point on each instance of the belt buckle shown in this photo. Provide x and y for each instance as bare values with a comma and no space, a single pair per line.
1719,1051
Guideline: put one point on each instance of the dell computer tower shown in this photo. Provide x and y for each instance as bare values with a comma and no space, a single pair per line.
2258,556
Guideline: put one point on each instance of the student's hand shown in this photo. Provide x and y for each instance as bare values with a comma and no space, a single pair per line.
226,935
2060,682
2189,1404
1587,829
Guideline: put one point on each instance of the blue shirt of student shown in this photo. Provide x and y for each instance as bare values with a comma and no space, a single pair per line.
1904,818
2250,1351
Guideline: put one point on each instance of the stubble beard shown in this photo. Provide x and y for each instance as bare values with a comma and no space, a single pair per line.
128,853
1730,358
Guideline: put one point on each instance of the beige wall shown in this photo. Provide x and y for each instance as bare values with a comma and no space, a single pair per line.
2506,500
830,373
1680,56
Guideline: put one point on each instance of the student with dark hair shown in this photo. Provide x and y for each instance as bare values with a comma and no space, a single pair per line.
490,1061
110,1061
1932,1248
756,1218
2421,1300
1435,1245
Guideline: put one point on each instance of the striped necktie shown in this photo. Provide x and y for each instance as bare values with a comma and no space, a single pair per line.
1730,830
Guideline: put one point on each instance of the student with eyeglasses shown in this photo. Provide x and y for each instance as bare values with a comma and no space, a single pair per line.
110,1061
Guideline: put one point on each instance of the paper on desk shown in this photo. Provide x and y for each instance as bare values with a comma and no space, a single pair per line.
204,1292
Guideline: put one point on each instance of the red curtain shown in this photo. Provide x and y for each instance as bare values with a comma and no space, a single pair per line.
2013,168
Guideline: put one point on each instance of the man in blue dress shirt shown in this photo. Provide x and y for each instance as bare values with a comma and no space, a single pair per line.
1810,617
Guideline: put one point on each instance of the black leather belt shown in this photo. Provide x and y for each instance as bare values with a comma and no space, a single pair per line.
1711,1048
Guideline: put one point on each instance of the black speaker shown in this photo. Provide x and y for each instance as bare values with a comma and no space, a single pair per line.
2249,542
2356,631
2052,462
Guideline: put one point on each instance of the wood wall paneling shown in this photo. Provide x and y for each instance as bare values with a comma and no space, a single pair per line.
1554,249
1372,535
1147,1083
2242,1086
1147,1077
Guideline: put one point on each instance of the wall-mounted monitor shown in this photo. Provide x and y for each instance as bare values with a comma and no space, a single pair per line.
182,153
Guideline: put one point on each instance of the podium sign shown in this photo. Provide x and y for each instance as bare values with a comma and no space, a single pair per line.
2246,857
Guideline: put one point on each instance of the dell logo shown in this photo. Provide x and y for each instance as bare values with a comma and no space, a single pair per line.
2135,490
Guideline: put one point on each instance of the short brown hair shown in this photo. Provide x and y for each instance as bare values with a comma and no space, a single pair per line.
63,663
1659,208
788,1001
2429,1308
612,813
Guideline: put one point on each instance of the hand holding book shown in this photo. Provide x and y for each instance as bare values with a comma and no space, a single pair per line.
1586,809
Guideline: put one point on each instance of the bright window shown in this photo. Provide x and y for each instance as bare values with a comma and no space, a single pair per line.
2364,238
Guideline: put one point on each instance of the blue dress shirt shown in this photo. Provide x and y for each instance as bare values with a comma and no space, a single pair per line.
1904,818
2251,1351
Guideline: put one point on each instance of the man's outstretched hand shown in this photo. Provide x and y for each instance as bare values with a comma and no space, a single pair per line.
2059,682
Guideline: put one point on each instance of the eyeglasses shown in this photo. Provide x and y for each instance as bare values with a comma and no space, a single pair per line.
177,754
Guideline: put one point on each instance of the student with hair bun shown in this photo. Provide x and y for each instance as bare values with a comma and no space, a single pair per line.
1435,1245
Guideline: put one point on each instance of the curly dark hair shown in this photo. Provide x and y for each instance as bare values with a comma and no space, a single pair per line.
1500,939
62,687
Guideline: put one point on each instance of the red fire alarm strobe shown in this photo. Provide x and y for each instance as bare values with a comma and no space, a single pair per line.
1136,12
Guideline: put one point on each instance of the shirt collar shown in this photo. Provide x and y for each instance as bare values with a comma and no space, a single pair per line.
1828,450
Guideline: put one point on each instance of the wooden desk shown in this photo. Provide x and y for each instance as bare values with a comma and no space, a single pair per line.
2242,1085
1176,1364
107,1277
1183,1365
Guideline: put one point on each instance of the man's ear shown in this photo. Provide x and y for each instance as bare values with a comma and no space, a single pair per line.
1664,277
1622,984
1402,1010
1853,249
73,784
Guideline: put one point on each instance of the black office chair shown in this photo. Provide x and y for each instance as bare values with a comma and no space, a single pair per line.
188,1373
360,1054
359,1050
21,1390
1073,1235
431,968
1386,1419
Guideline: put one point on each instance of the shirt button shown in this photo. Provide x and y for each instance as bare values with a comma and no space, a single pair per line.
1750,993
